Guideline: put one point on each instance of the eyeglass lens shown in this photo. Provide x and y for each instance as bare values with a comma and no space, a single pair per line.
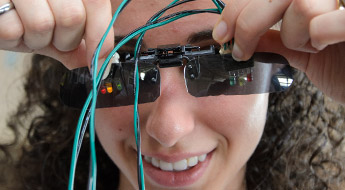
209,75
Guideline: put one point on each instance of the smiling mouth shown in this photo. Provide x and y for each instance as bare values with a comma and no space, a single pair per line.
176,173
181,165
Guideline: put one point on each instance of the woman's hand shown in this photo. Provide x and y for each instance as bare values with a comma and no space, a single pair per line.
66,30
311,37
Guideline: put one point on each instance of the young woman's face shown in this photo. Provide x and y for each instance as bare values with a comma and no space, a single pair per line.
179,128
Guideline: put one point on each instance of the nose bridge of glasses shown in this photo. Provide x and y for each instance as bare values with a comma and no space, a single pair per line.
168,56
173,55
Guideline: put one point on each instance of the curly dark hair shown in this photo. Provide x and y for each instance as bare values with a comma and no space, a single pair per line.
301,148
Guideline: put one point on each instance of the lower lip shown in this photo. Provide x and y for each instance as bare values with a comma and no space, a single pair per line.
177,178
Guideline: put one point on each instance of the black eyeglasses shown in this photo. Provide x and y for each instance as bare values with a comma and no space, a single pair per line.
206,73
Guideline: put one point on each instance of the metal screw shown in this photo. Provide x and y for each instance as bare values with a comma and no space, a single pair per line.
154,79
192,76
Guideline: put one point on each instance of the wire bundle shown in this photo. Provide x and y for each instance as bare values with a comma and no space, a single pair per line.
88,111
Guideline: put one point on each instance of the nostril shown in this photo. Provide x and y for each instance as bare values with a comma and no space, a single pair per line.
168,135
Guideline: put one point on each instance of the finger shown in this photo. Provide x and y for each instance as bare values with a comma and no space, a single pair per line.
70,20
11,29
257,17
71,60
295,25
38,22
225,27
98,13
271,42
335,33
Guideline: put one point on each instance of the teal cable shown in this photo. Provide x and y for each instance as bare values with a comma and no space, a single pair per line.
136,102
218,6
82,116
137,80
74,152
94,98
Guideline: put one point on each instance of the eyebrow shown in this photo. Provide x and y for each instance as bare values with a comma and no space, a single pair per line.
193,38
200,36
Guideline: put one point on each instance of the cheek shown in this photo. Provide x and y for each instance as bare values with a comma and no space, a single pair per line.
240,114
239,120
114,127
114,124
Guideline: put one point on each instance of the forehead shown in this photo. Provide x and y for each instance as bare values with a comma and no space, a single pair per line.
138,12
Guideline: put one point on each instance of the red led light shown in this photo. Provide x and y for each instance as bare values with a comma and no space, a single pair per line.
103,90
249,77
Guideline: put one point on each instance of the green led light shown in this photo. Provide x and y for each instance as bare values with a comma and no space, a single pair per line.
232,80
119,86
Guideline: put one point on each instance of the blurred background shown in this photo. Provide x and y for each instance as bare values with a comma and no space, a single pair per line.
13,67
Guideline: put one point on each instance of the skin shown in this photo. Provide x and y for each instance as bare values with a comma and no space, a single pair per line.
69,31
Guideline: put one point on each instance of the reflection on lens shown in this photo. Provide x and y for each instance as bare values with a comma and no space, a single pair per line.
221,75
115,90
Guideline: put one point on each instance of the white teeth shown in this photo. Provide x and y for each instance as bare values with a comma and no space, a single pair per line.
155,162
147,158
202,158
177,166
192,161
180,165
166,166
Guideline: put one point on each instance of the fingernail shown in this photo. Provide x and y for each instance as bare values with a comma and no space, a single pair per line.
320,47
220,31
237,53
317,45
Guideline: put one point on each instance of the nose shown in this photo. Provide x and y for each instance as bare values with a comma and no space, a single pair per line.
171,118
